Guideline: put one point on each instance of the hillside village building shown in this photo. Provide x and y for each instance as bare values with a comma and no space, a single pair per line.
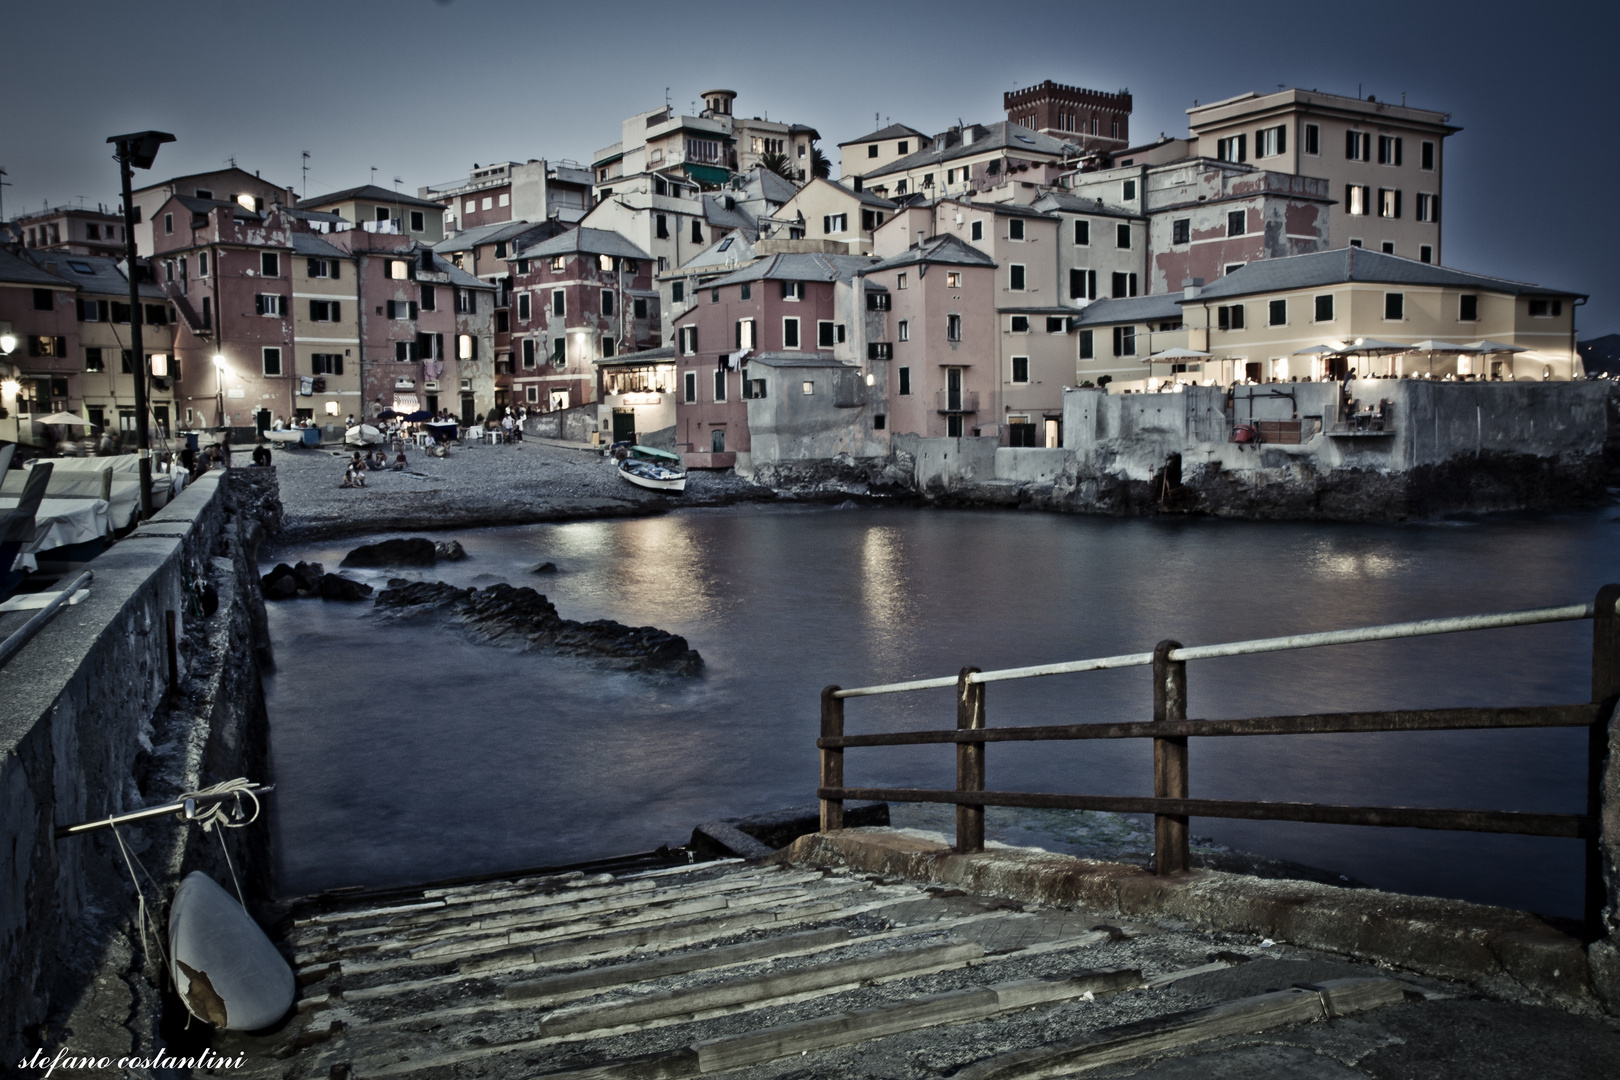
73,230
533,190
231,185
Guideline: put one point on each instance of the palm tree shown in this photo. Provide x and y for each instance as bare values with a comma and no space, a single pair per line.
778,164
820,167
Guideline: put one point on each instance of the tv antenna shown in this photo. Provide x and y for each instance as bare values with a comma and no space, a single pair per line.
3,185
374,174
306,174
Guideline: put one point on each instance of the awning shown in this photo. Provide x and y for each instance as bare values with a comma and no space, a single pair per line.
407,403
707,174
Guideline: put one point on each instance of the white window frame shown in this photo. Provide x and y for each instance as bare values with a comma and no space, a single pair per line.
1021,272
902,331
1012,373
1310,133
1385,311
1016,225
1333,302
556,295
976,230
953,279
264,361
689,386
798,334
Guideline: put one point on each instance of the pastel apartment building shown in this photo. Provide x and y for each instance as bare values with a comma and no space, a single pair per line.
508,191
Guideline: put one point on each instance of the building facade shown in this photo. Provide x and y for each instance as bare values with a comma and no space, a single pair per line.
535,190
1092,119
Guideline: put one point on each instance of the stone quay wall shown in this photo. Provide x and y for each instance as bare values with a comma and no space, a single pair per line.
93,724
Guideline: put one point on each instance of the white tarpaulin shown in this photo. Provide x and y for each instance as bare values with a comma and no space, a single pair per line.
59,522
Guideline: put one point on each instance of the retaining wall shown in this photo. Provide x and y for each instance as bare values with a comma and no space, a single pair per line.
90,726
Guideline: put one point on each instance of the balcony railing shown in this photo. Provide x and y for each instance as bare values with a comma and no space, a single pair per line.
963,401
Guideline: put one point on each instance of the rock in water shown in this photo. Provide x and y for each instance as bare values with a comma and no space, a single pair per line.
410,551
333,587
545,568
450,550
505,614
286,582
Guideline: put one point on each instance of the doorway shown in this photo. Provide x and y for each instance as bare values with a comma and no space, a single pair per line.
624,425
1053,433
953,389
469,415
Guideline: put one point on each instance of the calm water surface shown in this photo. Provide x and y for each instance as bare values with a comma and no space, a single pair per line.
404,753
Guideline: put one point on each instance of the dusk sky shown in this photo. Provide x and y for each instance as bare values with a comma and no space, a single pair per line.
422,89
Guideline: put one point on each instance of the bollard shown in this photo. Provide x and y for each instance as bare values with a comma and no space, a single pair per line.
1170,841
969,761
832,760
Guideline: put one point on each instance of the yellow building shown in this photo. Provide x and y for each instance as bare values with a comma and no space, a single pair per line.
326,331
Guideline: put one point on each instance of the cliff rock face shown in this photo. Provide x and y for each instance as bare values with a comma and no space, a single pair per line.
504,614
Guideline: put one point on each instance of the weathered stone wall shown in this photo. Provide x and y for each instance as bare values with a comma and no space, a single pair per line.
91,726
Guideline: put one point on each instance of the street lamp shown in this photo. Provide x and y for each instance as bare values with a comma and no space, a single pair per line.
137,151
8,344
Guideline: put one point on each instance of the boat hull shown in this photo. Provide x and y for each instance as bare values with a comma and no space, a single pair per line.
649,479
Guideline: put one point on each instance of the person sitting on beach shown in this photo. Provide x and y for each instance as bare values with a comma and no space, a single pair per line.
399,460
261,455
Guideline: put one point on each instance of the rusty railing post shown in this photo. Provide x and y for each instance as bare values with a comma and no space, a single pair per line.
832,759
1600,761
1170,841
969,761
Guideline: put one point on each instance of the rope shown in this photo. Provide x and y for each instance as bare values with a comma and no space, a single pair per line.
209,816
141,919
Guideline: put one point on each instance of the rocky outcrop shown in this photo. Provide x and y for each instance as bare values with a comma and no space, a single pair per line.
310,579
840,476
503,614
409,551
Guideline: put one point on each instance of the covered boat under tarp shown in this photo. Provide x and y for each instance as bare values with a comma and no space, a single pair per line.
362,435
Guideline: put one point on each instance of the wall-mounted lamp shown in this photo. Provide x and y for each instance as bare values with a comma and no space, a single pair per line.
8,344
219,361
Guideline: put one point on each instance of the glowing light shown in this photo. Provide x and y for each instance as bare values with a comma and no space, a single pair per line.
8,343
219,361
10,387
160,365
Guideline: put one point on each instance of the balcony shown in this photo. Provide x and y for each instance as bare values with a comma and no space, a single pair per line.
964,401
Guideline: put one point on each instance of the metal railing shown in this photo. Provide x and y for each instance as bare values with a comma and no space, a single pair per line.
1170,729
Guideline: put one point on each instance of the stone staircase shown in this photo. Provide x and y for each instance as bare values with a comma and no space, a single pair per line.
716,967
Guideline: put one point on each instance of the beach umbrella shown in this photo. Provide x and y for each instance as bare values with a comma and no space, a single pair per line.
1332,348
387,414
62,418
1495,347
1443,348
1169,356
417,416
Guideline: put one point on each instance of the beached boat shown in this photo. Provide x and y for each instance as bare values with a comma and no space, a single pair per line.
362,435
658,470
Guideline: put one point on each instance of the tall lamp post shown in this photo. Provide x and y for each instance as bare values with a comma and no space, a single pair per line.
137,151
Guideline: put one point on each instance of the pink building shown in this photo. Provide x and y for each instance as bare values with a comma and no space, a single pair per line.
576,298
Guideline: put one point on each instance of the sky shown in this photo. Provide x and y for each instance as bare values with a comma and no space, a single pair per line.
422,89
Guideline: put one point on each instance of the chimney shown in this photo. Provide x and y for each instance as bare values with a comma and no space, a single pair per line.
1191,287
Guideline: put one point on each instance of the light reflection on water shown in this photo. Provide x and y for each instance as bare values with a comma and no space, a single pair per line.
403,753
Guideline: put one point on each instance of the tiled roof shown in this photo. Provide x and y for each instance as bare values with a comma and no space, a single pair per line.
369,193
1073,204
586,241
1130,310
1002,135
20,270
794,266
1356,264
947,250
893,131
100,274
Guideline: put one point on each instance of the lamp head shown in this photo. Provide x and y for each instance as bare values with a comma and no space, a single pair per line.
140,148
8,344
219,361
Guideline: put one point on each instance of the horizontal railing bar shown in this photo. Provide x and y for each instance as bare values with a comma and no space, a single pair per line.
1469,719
1570,826
1391,631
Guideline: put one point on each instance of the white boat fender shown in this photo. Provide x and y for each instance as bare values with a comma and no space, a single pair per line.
225,969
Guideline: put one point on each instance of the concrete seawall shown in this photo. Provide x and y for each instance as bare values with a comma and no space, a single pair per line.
91,726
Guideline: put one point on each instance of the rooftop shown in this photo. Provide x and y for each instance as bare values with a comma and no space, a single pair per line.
1131,309
368,193
1002,135
947,250
1357,264
893,131
798,267
585,241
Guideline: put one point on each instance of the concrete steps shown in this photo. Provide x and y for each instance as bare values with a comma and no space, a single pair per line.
715,967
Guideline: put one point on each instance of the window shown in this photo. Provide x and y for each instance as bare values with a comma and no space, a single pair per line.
1123,285
1277,313
1355,242
638,307
523,307
1389,150
1389,203
326,363
1125,341
835,223
1057,324
532,394
265,304
953,279
559,352
1015,228
793,290
1427,157
559,263
808,387
697,231
428,298
900,281
879,422
1181,231
790,332
1425,254
872,151
1020,324
398,269
1015,277
1122,236
1271,141
1234,148
1313,139
318,268
325,311
1357,146
559,303
976,230
689,342
272,360
1428,207
1324,308
905,381
745,291
1357,199
1020,369
1082,233
903,147
1541,309
1229,317
466,301
745,334
1388,247
168,223
1086,349
877,301
677,292
607,301
418,222
269,264
44,300
879,350
1394,306
719,384
93,360
953,328
824,334
871,219
207,313
1130,191
903,330
714,296
1082,284
1468,307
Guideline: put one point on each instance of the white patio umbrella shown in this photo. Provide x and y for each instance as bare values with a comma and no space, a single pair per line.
1171,356
1443,348
1332,348
1495,347
64,418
